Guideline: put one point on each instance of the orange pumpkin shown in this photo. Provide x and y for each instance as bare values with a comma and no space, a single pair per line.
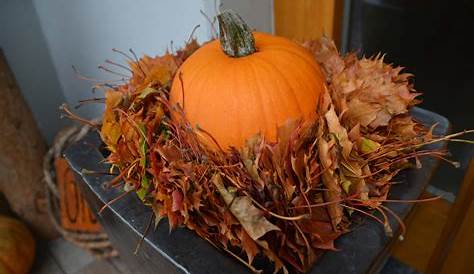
246,83
17,247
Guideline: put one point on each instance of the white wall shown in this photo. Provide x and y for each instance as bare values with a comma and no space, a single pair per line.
257,13
83,33
28,56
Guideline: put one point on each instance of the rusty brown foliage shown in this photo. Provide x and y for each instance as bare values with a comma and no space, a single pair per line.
286,201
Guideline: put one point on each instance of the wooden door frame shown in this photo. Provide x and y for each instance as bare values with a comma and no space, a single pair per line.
309,19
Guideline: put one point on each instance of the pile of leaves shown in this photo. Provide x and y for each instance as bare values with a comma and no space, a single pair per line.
286,201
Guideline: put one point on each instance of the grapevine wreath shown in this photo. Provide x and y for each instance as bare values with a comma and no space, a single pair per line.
262,146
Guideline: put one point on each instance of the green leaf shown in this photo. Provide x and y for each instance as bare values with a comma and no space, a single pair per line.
142,129
142,191
166,134
145,92
346,184
143,152
143,145
368,146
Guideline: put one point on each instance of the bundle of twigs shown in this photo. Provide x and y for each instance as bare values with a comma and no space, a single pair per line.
287,200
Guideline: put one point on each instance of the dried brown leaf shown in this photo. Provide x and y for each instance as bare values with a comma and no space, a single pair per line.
249,216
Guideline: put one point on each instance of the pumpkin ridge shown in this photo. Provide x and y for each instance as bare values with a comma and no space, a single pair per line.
262,107
195,72
6,266
209,90
210,87
233,91
271,112
296,50
288,84
284,45
189,83
20,245
306,74
186,108
308,59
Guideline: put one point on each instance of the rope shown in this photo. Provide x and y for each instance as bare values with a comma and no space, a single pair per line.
97,244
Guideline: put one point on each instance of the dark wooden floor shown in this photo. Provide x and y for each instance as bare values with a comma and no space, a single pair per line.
61,257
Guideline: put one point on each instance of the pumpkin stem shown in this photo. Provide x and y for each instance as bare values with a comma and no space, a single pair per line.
236,37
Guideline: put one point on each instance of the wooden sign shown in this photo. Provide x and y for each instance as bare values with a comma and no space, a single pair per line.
75,212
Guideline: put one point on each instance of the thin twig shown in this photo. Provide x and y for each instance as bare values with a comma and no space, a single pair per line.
109,203
364,213
399,220
210,136
287,218
401,201
213,28
137,61
89,101
113,72
123,54
142,238
180,75
68,114
241,260
192,33
118,65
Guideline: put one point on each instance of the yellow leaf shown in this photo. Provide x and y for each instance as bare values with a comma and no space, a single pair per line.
368,146
152,69
346,185
110,130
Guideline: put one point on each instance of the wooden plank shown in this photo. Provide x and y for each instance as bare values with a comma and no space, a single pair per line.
453,253
308,19
460,256
424,227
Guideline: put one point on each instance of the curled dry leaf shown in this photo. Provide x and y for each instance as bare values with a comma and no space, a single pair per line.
249,216
371,91
331,182
339,131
